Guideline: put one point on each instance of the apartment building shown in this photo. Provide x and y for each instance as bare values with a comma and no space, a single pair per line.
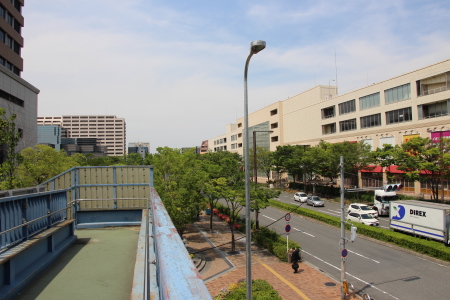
389,112
109,130
17,96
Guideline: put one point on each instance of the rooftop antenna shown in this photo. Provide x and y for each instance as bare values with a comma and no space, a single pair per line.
335,66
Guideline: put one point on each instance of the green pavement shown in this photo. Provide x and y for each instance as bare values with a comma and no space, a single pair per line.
99,265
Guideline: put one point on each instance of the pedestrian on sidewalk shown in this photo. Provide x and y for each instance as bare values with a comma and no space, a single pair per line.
295,259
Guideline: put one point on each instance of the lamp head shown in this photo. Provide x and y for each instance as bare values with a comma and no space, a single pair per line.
257,46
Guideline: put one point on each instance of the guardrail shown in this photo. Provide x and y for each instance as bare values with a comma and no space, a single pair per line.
26,215
177,276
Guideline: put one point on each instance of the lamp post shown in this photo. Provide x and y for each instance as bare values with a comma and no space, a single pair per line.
255,47
255,169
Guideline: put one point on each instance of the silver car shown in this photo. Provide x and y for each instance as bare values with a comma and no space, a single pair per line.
315,201
301,197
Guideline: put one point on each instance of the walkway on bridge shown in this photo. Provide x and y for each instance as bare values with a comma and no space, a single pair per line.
99,265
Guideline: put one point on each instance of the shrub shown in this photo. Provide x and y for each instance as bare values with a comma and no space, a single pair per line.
261,290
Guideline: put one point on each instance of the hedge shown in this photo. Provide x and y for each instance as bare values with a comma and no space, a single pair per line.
428,247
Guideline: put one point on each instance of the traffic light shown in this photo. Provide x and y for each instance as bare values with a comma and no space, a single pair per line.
393,187
353,233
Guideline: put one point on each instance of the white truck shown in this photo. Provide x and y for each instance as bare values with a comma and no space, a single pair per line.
381,201
427,219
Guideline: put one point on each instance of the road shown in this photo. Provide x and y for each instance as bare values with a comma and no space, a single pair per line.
383,271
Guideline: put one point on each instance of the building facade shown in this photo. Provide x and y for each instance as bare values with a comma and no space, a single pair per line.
17,96
389,112
109,131
141,148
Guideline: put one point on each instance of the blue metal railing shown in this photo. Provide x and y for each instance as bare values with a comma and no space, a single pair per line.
26,215
177,277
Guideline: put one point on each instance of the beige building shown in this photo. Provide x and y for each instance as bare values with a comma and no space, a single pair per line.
388,112
109,130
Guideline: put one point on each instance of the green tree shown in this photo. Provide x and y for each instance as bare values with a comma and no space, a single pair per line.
40,163
9,139
288,159
264,161
260,197
178,180
425,161
219,166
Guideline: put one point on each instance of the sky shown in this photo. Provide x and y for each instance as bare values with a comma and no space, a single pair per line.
174,70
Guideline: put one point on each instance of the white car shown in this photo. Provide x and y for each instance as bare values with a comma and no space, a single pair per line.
362,209
301,197
366,219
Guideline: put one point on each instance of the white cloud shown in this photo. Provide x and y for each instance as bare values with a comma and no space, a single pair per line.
175,71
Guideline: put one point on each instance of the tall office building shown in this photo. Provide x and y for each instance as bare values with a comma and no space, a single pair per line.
110,131
16,95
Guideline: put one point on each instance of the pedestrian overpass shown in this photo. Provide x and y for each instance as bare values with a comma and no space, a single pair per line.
38,224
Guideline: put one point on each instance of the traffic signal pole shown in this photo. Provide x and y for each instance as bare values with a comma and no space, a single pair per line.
343,277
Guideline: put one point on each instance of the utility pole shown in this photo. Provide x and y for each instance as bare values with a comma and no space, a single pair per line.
344,288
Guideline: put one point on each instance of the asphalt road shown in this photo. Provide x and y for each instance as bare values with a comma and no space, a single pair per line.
381,270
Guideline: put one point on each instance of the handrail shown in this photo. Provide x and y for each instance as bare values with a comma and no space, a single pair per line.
32,221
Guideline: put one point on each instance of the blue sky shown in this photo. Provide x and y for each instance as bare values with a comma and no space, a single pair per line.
174,69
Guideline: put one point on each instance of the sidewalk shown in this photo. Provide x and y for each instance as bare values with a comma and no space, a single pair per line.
219,269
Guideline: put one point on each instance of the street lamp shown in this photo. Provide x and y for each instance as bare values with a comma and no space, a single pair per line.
255,169
255,47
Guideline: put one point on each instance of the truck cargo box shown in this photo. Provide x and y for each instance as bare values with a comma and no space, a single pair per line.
431,220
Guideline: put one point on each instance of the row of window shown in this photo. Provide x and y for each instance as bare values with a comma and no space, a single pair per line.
392,117
13,99
9,18
9,66
392,95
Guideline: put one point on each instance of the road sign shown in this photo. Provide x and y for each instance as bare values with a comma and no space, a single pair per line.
287,217
344,253
287,228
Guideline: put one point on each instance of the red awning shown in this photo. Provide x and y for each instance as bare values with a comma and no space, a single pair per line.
376,169
393,169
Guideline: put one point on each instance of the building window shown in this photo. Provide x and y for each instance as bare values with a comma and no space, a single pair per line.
274,125
347,125
328,112
347,107
239,125
397,94
399,115
329,128
274,112
434,84
433,110
369,101
239,135
274,139
371,121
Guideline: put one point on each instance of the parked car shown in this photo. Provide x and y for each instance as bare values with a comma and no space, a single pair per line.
366,219
362,209
315,201
300,196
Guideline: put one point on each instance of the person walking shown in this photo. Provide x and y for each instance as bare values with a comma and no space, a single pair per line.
295,259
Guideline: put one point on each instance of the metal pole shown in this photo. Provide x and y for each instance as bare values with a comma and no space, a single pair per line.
255,47
248,237
343,279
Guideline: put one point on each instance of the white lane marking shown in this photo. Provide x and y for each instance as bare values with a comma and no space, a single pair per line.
303,232
366,283
384,227
364,256
269,218
430,261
